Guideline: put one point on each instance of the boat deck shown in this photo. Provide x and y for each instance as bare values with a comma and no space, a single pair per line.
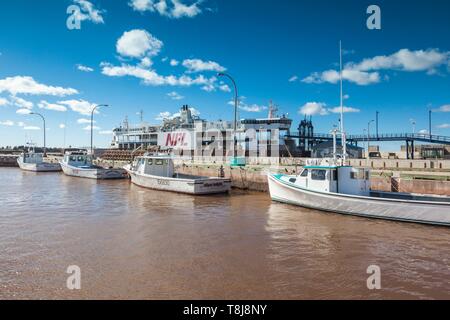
409,196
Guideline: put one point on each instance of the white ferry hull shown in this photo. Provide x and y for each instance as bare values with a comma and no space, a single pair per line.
39,167
188,186
95,173
435,213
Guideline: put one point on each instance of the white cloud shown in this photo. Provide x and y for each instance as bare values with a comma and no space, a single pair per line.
62,126
146,62
84,121
84,68
169,8
152,78
89,12
106,132
138,43
4,102
89,128
174,62
364,72
81,106
27,85
293,78
31,128
225,88
167,115
355,76
246,107
346,110
51,106
405,60
163,115
7,123
444,108
21,124
313,108
423,131
209,87
320,108
21,103
197,65
444,126
23,111
175,95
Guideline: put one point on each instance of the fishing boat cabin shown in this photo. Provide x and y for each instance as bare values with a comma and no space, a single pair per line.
155,165
78,159
328,177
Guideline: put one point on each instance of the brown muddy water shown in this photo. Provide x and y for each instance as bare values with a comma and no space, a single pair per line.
133,243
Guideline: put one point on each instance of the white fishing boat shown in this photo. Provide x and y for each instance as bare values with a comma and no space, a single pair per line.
80,164
330,185
343,189
32,161
157,172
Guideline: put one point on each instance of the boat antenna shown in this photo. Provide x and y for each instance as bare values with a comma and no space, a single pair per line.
343,138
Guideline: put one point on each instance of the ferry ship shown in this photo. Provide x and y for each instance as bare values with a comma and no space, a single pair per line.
189,132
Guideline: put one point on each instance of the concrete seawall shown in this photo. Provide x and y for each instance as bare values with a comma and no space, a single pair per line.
410,176
255,178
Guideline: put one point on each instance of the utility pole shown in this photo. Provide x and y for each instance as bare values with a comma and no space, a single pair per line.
368,138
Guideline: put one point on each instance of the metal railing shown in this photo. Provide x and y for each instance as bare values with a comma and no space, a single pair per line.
379,137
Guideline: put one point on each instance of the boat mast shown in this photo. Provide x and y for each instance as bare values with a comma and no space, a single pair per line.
343,138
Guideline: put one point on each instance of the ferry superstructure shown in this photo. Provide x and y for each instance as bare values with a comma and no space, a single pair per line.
188,131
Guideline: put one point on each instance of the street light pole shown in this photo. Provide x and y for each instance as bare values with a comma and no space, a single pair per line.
235,109
92,125
377,122
43,119
429,122
368,138
413,123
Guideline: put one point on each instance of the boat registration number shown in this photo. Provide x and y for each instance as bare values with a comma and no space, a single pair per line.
163,182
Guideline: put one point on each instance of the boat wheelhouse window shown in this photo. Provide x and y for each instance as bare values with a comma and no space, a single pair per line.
358,175
73,159
334,174
304,173
318,175
292,180
80,158
159,162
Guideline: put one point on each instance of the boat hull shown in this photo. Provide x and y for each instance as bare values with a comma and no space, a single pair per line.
96,173
189,186
39,167
434,213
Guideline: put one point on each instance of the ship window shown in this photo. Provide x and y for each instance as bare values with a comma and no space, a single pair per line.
318,175
292,180
73,159
150,161
159,162
304,173
80,158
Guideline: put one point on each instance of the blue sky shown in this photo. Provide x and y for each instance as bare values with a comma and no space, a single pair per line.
159,55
